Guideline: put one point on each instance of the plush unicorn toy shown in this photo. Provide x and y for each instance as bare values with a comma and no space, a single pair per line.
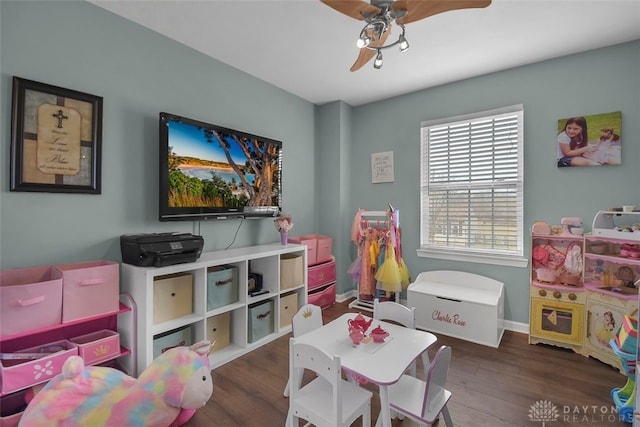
166,393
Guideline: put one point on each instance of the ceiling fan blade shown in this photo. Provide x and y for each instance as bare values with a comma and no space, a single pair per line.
420,9
367,54
352,8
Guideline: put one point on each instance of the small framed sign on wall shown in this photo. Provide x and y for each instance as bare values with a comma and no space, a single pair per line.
382,167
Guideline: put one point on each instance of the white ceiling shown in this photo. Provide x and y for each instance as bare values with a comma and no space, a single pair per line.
307,48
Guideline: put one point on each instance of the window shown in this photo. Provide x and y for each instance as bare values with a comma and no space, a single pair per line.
471,187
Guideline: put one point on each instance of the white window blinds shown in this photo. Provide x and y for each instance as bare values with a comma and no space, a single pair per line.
472,183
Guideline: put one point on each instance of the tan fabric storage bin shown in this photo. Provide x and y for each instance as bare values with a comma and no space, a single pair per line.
172,297
291,271
219,330
288,307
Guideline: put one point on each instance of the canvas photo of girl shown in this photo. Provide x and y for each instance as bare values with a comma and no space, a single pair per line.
593,140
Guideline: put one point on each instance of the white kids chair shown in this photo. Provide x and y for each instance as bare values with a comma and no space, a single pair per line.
405,316
423,401
327,400
306,319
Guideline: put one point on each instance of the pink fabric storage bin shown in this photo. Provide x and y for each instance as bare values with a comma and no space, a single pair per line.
318,247
322,274
98,347
17,374
311,247
88,289
323,247
11,408
323,297
30,298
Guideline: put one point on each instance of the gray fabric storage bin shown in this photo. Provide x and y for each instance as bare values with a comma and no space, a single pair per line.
260,320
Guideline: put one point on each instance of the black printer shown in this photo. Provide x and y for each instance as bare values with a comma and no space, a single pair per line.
160,249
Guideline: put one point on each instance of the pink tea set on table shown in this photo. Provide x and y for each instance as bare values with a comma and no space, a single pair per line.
358,327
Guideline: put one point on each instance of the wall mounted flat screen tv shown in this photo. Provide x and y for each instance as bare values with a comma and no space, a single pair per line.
212,172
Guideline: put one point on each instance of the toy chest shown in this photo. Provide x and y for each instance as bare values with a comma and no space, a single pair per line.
288,307
291,271
175,338
98,347
30,298
459,304
222,286
19,373
172,297
88,289
260,320
219,330
319,247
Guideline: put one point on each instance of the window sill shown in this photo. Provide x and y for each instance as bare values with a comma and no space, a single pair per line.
508,261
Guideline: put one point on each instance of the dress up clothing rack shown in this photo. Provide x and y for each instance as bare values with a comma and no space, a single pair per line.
379,269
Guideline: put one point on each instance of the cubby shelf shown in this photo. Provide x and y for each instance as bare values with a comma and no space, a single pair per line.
265,260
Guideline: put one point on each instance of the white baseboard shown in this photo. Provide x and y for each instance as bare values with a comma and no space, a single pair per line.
509,325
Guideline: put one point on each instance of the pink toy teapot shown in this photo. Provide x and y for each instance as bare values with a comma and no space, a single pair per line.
360,322
356,335
378,334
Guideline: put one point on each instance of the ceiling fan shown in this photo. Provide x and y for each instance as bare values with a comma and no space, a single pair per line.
379,16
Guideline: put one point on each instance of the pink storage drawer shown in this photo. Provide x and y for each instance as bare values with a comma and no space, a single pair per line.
322,274
88,289
98,347
324,297
11,408
30,298
311,247
17,374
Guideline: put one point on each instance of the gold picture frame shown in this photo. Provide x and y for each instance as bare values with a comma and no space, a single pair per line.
56,139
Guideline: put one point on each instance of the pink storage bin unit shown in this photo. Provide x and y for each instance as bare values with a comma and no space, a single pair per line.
88,289
17,374
98,347
30,298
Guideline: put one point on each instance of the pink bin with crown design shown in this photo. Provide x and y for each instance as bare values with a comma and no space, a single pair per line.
98,347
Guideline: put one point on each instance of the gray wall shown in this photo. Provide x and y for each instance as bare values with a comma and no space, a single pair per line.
599,81
327,148
139,73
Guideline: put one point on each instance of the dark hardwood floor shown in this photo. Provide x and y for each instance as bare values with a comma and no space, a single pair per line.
491,387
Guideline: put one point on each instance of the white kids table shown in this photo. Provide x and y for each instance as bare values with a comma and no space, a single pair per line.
379,363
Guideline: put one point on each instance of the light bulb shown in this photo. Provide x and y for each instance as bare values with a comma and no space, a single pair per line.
377,64
404,44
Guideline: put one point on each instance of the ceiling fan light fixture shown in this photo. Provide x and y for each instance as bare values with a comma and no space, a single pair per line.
403,44
363,42
377,64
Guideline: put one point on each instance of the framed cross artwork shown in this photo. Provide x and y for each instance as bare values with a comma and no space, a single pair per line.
56,139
